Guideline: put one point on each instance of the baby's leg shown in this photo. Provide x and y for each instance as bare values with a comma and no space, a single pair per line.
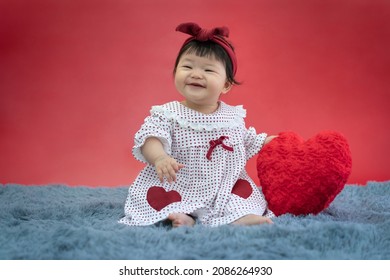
181,219
252,219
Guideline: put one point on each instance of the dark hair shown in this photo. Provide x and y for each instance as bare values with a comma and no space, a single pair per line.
208,49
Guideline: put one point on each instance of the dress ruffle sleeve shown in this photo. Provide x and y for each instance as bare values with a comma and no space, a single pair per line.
155,125
253,142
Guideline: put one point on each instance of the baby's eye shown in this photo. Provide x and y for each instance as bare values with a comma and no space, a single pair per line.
209,70
186,67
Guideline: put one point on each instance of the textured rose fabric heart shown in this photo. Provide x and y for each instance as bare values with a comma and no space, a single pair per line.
303,177
158,198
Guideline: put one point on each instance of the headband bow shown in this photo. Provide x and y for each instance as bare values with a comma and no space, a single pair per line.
216,35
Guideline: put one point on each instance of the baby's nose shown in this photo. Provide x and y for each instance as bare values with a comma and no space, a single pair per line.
196,73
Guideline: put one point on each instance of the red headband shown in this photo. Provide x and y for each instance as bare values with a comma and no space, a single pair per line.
215,35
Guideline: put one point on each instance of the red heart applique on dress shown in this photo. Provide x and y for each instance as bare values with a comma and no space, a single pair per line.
303,177
242,188
158,197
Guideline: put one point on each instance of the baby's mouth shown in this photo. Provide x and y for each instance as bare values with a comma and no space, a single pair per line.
196,85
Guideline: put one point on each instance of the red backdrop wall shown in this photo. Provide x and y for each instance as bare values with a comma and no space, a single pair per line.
78,77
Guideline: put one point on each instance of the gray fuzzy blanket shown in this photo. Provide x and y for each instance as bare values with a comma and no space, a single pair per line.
61,222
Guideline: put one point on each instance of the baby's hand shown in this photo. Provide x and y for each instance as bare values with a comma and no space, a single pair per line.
167,167
269,139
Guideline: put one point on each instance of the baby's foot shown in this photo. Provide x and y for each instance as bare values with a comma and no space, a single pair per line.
252,219
181,219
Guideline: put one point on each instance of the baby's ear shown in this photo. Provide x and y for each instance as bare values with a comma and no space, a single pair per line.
228,86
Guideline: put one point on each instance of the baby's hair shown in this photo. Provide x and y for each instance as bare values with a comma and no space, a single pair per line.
208,49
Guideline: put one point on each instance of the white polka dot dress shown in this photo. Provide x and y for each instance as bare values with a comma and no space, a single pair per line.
213,185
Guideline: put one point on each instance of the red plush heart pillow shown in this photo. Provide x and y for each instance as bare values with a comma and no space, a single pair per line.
303,177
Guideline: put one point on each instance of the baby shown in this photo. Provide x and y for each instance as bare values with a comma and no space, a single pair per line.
196,149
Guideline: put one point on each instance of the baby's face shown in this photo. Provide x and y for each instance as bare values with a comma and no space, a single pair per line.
201,80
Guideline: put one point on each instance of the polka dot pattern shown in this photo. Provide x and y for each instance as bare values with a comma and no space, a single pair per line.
205,186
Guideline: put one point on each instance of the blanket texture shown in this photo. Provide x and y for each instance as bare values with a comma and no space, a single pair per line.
61,222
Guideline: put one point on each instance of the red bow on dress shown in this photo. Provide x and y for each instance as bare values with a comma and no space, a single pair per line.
215,143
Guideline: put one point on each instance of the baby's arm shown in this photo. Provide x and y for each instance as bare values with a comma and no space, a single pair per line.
166,166
269,139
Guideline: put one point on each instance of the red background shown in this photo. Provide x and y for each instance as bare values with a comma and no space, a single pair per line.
78,77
